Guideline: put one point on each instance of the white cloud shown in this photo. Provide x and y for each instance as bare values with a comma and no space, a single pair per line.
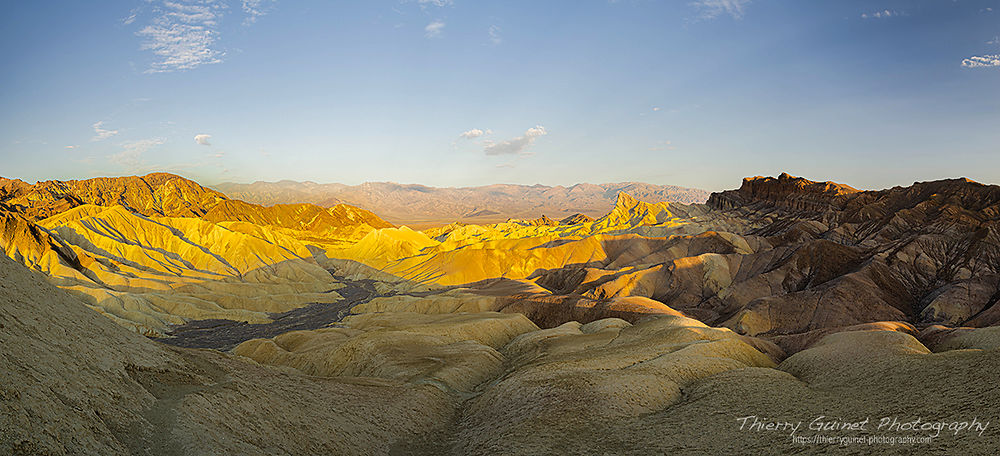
101,132
131,155
433,29
494,32
981,61
474,133
518,145
202,139
884,14
710,9
183,35
255,9
995,40
131,17
425,3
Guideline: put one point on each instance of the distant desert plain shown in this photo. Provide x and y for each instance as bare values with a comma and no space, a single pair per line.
151,315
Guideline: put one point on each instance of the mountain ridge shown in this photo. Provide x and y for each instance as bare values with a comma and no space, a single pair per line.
423,206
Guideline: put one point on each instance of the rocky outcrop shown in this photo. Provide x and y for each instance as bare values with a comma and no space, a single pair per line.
785,191
576,219
157,194
931,251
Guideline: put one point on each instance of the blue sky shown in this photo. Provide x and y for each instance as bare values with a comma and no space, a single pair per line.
457,92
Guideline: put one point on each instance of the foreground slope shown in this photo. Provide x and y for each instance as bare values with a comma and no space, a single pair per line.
73,382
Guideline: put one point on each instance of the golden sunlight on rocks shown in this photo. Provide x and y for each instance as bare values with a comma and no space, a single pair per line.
653,329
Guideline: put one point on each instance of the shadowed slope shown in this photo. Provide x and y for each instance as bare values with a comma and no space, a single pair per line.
73,382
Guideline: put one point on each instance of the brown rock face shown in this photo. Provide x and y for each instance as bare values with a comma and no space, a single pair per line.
785,191
930,253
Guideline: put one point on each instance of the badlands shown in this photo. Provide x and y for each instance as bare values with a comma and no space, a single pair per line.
151,315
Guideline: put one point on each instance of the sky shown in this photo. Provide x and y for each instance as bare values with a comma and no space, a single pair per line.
697,93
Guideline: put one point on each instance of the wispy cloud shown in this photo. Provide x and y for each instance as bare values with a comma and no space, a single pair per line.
203,139
131,155
426,3
131,16
982,61
183,35
474,133
494,32
102,133
433,29
518,145
255,9
884,14
711,9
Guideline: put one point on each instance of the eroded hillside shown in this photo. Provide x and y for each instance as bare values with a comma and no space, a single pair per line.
648,330
159,250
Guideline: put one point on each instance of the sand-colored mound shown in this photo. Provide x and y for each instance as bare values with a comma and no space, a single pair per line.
940,338
794,343
73,382
455,351
451,301
521,297
568,379
847,377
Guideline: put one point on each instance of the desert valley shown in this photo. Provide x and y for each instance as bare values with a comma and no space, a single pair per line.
507,228
152,315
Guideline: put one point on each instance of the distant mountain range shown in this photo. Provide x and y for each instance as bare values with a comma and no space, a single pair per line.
419,205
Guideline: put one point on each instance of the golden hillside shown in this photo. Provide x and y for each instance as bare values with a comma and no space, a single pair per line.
160,250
